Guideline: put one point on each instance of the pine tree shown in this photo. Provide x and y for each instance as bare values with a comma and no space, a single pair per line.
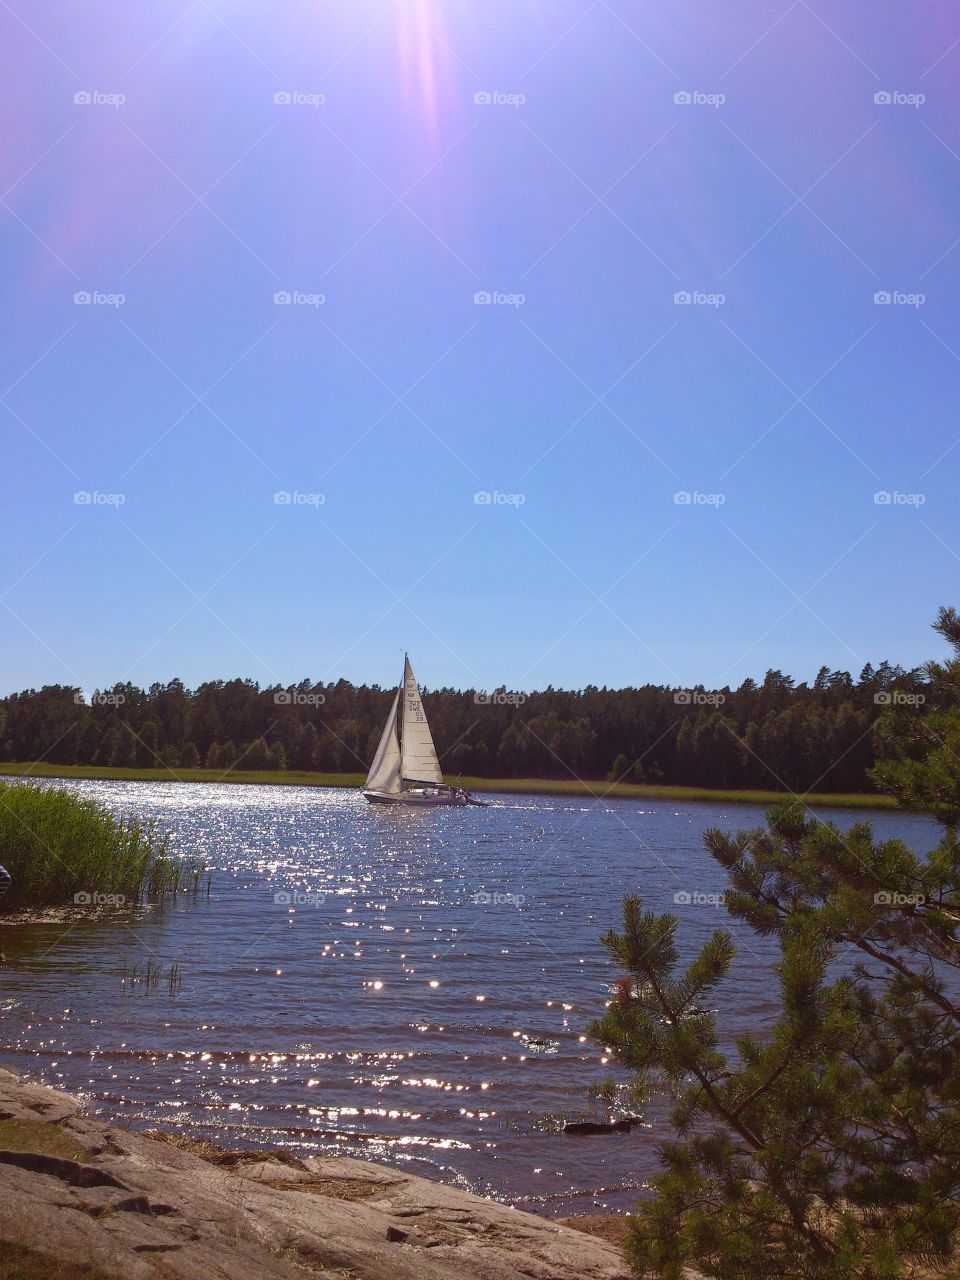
345,736
620,770
257,756
108,745
826,1147
308,750
124,753
920,737
148,745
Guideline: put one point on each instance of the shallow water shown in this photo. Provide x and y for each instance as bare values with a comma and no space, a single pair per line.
419,994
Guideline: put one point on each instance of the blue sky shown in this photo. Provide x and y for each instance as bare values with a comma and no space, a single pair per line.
384,163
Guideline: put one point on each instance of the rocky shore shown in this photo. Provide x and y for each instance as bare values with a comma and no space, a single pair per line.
82,1200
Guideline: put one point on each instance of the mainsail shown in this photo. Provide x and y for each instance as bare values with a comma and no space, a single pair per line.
419,761
384,773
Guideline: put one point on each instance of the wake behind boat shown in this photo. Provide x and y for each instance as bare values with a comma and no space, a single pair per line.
405,769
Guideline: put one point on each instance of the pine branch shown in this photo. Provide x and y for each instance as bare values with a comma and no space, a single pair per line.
761,1089
910,976
750,1138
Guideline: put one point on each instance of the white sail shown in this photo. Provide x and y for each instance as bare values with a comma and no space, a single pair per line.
384,773
419,755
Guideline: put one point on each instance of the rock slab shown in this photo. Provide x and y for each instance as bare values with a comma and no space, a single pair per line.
138,1207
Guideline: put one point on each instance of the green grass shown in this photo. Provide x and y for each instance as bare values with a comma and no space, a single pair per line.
633,791
58,845
517,786
43,1136
259,777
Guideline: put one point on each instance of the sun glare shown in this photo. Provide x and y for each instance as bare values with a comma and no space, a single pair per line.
424,60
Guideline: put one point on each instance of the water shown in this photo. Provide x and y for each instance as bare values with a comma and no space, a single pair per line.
420,994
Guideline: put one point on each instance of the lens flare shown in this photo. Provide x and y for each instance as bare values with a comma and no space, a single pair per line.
425,63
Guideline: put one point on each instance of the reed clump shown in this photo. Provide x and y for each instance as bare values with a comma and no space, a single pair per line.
63,848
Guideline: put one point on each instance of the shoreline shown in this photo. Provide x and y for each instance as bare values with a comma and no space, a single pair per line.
508,786
85,1199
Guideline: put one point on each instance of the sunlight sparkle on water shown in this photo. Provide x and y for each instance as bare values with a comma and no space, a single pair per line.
291,1064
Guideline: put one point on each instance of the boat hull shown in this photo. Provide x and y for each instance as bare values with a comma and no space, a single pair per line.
416,800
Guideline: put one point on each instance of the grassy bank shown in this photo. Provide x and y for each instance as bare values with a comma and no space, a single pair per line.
630,791
63,848
515,786
255,777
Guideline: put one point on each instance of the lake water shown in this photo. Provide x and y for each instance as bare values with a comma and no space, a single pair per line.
418,995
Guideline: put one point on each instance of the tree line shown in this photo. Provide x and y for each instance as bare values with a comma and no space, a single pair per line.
771,734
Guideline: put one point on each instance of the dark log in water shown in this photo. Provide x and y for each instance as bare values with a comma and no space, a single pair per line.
588,1127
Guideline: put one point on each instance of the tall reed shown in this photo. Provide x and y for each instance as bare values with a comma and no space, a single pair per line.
61,848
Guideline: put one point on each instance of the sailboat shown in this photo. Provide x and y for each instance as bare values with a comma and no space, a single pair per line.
405,769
